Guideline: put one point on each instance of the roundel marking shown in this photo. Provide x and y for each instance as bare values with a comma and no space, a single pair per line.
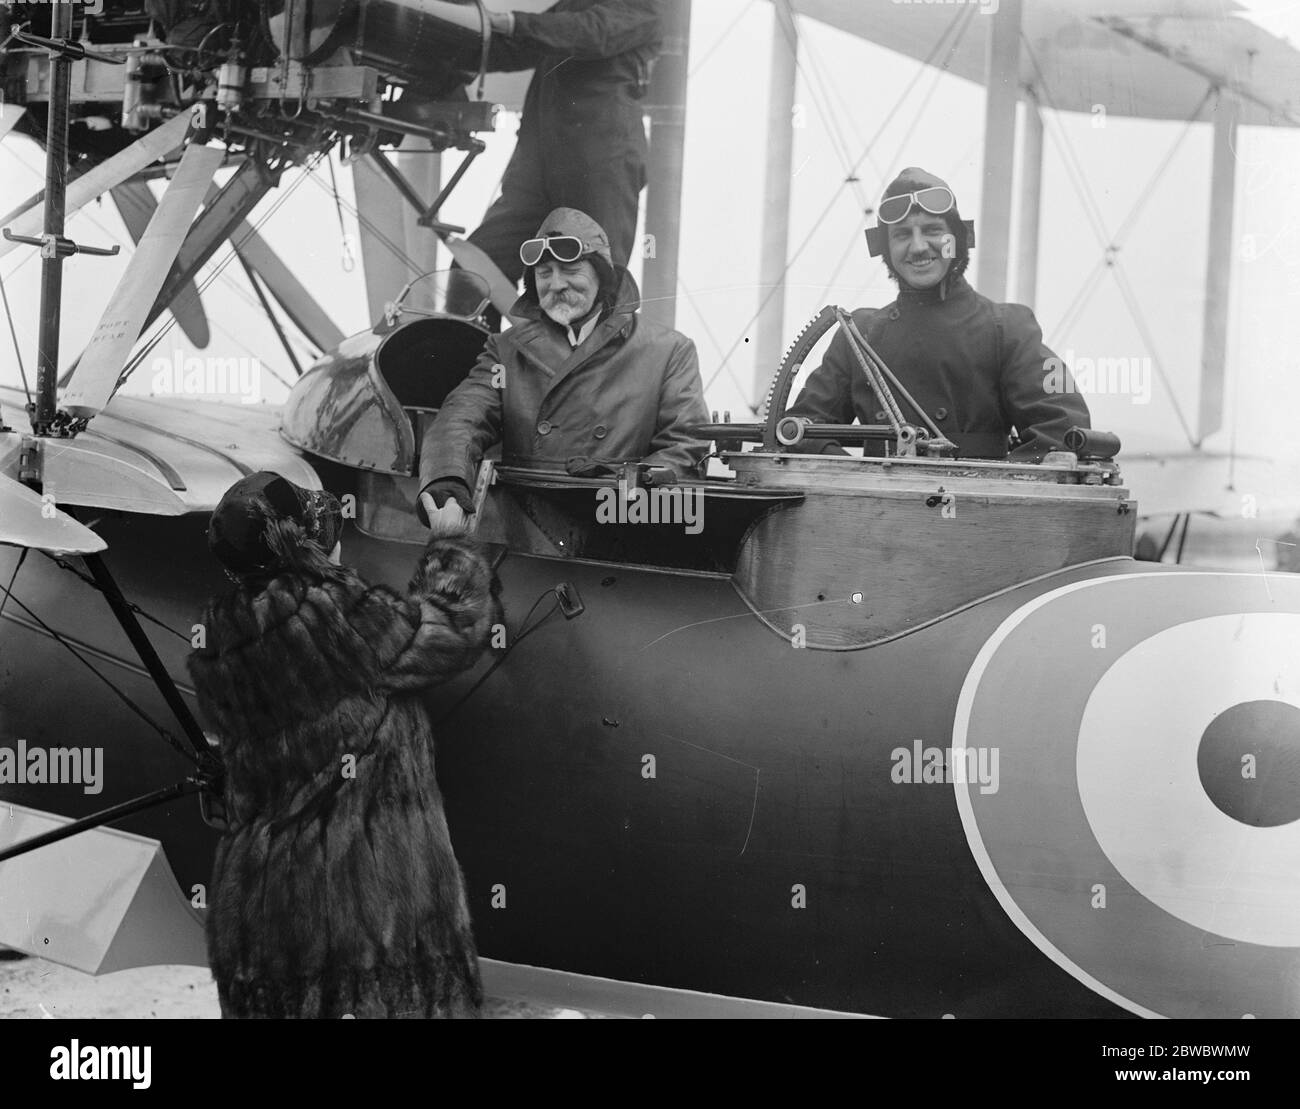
1116,838
1249,763
1145,798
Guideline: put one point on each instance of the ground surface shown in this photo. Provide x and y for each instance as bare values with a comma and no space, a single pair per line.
35,988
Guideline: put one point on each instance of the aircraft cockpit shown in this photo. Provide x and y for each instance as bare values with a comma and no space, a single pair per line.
928,533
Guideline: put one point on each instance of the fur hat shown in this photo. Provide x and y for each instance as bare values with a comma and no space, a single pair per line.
247,532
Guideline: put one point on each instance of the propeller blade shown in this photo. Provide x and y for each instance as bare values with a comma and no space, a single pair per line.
136,205
290,293
110,346
121,166
28,521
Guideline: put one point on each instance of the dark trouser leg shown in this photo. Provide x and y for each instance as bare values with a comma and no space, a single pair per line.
516,214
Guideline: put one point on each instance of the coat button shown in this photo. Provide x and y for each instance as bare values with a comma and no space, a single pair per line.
893,313
601,431
880,417
544,427
941,413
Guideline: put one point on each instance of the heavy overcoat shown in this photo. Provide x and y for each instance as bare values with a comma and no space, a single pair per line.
978,368
630,392
335,890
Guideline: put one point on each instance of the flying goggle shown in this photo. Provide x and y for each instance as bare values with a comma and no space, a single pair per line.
563,248
937,200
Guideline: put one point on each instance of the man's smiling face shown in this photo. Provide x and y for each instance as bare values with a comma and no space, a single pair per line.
921,249
566,290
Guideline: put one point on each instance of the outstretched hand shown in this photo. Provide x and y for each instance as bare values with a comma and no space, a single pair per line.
450,519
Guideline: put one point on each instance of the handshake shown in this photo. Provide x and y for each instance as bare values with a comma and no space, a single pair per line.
446,506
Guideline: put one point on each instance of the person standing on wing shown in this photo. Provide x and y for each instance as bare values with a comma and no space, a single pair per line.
581,383
979,369
582,139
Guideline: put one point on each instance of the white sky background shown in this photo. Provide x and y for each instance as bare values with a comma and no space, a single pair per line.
939,126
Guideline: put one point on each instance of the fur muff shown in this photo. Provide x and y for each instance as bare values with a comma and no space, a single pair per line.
335,890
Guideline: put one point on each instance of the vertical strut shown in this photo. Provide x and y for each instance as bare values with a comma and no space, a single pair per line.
56,180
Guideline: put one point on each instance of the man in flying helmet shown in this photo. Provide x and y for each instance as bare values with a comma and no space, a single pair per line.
979,369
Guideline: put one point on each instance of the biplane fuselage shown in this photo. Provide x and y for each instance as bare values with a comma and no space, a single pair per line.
901,737
866,740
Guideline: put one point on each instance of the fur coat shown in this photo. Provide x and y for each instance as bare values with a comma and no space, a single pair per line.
335,890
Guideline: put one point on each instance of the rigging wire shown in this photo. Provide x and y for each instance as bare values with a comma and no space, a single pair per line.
1082,297
1077,176
1144,195
1108,244
13,334
817,93
171,740
826,76
22,557
950,29
275,323
353,210
1135,310
135,608
348,259
722,38
708,330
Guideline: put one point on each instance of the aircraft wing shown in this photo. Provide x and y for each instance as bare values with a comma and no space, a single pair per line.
27,521
162,456
1174,482
1146,58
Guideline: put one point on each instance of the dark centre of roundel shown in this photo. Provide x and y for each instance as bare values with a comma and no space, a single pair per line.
1249,763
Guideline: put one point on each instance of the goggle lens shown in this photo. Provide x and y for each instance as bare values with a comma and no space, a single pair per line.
564,248
936,200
